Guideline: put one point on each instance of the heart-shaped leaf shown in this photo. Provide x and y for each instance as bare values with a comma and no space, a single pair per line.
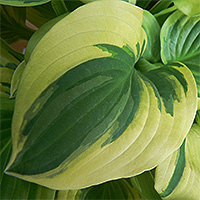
84,115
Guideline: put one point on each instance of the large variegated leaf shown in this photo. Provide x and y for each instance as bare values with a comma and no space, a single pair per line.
9,59
177,177
84,115
180,41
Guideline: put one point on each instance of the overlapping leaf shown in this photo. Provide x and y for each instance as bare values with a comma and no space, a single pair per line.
178,176
9,59
88,116
180,41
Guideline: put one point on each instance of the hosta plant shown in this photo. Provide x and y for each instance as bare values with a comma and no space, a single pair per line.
103,104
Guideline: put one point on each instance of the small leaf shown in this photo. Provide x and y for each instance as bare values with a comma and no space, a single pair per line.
9,59
59,7
190,8
16,79
152,29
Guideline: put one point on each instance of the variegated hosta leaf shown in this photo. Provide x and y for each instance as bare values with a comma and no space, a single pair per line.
84,115
180,41
177,177
9,59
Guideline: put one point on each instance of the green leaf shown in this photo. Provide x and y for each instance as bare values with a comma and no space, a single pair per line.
23,2
145,185
16,79
144,66
59,7
84,115
180,42
120,189
197,118
190,8
177,177
74,4
164,14
9,59
160,6
143,3
13,27
152,29
69,195
39,15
